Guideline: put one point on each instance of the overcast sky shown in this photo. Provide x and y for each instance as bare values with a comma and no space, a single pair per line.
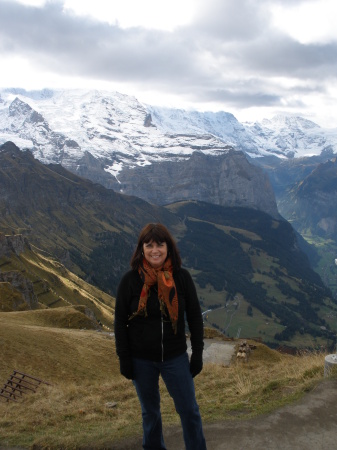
253,58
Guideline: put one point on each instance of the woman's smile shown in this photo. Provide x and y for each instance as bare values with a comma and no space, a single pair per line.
155,254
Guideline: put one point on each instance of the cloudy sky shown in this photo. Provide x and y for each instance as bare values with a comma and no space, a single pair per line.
254,58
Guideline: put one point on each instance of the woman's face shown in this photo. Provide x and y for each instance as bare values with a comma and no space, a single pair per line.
155,254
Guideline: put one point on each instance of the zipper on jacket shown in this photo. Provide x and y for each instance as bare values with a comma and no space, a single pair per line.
162,337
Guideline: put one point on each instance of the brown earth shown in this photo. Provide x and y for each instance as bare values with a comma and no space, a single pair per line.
309,424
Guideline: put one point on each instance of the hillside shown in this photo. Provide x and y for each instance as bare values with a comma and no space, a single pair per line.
254,280
89,228
247,265
305,191
31,280
88,404
310,206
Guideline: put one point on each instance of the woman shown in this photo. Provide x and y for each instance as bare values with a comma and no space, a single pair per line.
152,301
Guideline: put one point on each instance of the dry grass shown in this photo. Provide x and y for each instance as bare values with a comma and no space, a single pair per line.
90,405
54,286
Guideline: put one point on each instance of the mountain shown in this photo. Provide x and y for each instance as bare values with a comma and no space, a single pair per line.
305,190
222,125
292,137
227,179
72,218
102,123
31,279
284,174
247,265
112,139
313,202
115,129
255,265
282,136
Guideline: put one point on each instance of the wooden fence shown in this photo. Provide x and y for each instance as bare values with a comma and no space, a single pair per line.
18,384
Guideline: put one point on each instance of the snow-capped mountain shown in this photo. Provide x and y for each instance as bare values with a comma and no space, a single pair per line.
114,140
222,125
292,136
61,126
282,136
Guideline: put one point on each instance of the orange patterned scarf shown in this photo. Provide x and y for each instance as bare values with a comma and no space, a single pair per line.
167,292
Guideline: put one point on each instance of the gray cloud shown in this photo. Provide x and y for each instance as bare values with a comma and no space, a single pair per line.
73,44
231,20
279,55
241,98
229,54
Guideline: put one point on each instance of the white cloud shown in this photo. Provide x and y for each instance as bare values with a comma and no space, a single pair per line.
37,3
246,57
309,22
152,14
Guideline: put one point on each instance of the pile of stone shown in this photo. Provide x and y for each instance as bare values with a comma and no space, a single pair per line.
244,351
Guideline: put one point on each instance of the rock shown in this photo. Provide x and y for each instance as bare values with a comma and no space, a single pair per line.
22,285
227,179
14,243
111,405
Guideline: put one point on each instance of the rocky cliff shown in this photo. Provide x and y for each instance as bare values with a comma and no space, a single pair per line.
18,284
16,290
312,203
227,179
12,244
113,140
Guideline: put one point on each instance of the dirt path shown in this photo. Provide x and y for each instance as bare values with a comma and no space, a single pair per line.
309,424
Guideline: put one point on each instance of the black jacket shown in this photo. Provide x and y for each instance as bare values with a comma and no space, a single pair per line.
152,336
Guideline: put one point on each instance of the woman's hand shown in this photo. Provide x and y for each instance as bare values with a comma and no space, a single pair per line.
126,368
195,365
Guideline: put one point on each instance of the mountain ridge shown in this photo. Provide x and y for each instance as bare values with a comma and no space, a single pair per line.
111,140
88,114
313,203
232,252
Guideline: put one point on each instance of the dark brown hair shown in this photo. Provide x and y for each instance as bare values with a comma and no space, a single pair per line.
158,233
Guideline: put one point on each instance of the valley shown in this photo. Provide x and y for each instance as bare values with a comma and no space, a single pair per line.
78,191
69,241
306,195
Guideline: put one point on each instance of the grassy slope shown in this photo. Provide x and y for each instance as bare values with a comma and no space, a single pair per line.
326,267
83,369
55,286
267,271
92,230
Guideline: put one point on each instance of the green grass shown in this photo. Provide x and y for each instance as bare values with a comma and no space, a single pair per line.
325,267
234,319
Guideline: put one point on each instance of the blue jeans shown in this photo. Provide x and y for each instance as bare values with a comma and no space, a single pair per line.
179,383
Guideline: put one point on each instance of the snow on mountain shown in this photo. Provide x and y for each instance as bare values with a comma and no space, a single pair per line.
115,129
222,125
283,136
61,126
292,136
